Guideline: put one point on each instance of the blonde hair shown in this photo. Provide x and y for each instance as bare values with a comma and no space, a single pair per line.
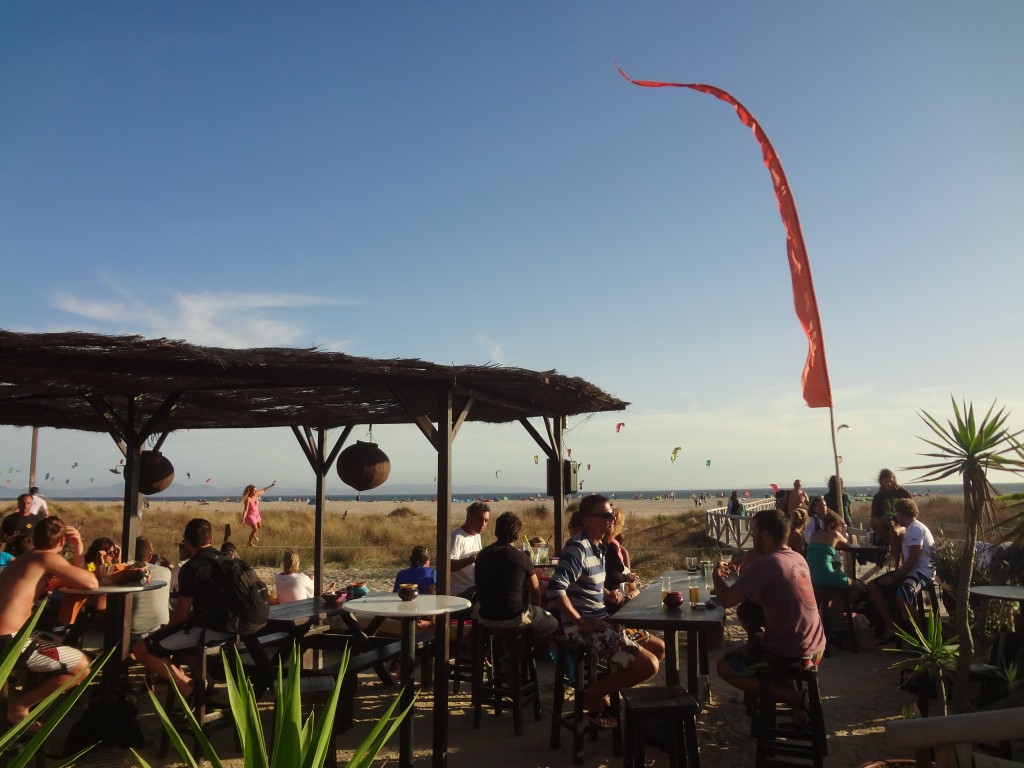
248,493
290,563
619,524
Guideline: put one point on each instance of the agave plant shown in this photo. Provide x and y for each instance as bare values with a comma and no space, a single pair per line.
297,743
45,711
928,652
970,448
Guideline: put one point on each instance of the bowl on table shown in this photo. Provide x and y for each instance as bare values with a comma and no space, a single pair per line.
408,591
673,599
357,589
333,597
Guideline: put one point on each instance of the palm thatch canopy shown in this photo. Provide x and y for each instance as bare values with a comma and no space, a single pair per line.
68,380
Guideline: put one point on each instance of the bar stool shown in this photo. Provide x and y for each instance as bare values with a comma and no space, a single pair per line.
460,664
512,674
197,659
667,710
777,746
839,598
573,659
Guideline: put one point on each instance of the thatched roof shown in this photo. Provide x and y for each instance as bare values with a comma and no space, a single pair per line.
66,380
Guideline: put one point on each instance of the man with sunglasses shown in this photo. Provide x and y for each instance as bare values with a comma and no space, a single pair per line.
577,592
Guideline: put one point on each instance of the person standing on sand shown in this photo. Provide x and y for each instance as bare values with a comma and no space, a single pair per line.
21,583
18,525
251,510
797,498
38,503
883,511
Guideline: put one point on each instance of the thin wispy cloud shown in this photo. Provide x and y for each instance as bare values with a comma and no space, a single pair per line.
491,347
214,318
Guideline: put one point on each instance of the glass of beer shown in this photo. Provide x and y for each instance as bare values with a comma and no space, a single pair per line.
694,595
666,586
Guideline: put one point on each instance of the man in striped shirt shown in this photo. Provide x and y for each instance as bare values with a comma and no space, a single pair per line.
576,591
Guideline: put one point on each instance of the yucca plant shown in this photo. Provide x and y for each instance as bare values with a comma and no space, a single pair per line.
970,448
929,652
297,743
45,711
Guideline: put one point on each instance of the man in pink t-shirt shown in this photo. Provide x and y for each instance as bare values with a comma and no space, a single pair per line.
780,582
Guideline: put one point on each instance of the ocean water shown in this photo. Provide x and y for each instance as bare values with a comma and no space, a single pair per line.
952,489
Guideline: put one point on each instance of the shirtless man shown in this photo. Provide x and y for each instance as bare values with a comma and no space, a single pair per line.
21,583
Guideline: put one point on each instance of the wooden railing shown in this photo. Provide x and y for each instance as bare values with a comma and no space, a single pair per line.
734,530
952,737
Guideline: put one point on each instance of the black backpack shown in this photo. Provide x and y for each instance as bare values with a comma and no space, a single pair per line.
240,601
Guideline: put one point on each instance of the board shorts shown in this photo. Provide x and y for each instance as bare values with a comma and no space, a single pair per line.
619,645
753,659
167,641
44,656
910,587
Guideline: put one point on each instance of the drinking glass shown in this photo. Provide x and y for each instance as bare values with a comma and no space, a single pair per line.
666,586
691,564
694,595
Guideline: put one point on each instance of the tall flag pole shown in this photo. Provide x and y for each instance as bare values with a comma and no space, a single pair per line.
817,390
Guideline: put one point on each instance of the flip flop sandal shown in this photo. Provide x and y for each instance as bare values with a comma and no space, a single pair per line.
602,720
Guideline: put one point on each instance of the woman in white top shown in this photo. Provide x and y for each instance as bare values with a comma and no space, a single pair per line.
292,585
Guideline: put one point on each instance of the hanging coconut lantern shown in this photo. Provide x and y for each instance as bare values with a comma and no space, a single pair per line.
363,466
155,473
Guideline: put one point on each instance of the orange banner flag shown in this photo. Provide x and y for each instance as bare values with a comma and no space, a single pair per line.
816,386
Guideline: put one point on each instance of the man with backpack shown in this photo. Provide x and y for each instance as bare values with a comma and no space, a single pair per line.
218,597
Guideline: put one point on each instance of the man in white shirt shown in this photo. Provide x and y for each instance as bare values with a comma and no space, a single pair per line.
916,570
465,543
38,504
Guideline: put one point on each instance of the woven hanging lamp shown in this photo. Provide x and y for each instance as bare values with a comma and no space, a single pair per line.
156,473
363,466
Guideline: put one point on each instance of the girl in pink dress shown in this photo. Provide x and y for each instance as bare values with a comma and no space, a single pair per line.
251,510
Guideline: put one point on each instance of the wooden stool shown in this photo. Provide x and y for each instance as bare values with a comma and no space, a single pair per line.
839,597
197,659
574,660
789,746
512,673
460,664
668,710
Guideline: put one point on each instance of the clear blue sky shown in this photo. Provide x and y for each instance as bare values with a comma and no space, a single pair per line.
473,183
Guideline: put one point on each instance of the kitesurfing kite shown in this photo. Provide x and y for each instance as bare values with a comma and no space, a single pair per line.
707,464
675,452
588,467
75,465
536,459
498,472
188,475
620,425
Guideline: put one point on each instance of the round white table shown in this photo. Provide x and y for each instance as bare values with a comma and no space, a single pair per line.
390,606
116,634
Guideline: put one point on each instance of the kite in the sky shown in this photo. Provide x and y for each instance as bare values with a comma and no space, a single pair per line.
620,425
47,476
75,465
116,470
675,452
188,475
707,464
536,459
209,479
67,481
588,467
774,487
498,472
